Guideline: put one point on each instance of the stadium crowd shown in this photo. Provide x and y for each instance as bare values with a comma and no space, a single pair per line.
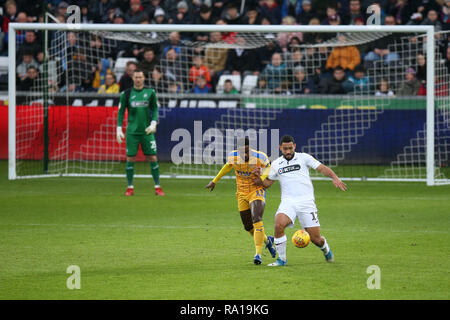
281,66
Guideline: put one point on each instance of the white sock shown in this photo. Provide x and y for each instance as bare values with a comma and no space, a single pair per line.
280,244
325,248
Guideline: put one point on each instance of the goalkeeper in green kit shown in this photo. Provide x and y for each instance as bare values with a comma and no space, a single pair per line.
142,120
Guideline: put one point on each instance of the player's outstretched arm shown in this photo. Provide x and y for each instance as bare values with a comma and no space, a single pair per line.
261,179
225,169
326,171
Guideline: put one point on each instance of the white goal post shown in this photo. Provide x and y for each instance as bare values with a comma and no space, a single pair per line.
427,31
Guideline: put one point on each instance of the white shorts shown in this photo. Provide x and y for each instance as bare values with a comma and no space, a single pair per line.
305,211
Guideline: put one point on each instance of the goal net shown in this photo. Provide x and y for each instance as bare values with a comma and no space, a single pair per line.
367,116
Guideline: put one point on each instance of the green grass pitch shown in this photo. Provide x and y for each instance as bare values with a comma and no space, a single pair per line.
190,244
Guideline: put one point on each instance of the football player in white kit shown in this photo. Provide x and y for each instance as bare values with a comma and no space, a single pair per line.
297,196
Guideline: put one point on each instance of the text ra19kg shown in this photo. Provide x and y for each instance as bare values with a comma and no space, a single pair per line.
246,309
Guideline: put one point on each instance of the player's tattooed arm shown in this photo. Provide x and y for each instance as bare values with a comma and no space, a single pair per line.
326,171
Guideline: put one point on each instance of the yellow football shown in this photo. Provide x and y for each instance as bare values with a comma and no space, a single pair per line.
300,238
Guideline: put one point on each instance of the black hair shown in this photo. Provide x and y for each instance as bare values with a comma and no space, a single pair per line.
139,70
286,139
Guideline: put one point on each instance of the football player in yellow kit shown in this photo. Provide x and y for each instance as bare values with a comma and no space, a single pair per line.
251,198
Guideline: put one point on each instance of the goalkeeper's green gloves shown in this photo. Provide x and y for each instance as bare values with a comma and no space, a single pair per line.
151,128
120,135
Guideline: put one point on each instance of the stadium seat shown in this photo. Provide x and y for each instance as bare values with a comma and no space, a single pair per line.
249,83
236,79
3,65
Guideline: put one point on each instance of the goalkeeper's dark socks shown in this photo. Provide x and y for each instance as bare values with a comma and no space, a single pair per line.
154,167
130,173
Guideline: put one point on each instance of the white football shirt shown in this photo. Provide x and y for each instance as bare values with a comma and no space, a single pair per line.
294,178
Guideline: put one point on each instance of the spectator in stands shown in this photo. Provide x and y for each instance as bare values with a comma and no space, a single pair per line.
293,58
266,52
332,15
170,8
174,42
261,87
421,68
347,57
62,8
217,7
149,61
126,81
159,17
101,10
354,13
333,85
440,88
110,85
172,67
252,17
411,86
175,87
99,73
445,15
86,15
31,44
199,69
182,16
276,74
433,19
381,49
215,57
271,10
227,37
135,12
73,87
157,81
401,12
231,14
383,89
301,84
204,17
313,37
96,50
240,60
10,15
314,61
307,13
29,80
228,87
27,62
284,38
201,86
358,82
332,20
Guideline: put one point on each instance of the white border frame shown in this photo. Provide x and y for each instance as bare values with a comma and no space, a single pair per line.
428,30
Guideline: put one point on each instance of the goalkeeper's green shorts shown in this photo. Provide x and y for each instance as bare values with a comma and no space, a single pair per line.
147,142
